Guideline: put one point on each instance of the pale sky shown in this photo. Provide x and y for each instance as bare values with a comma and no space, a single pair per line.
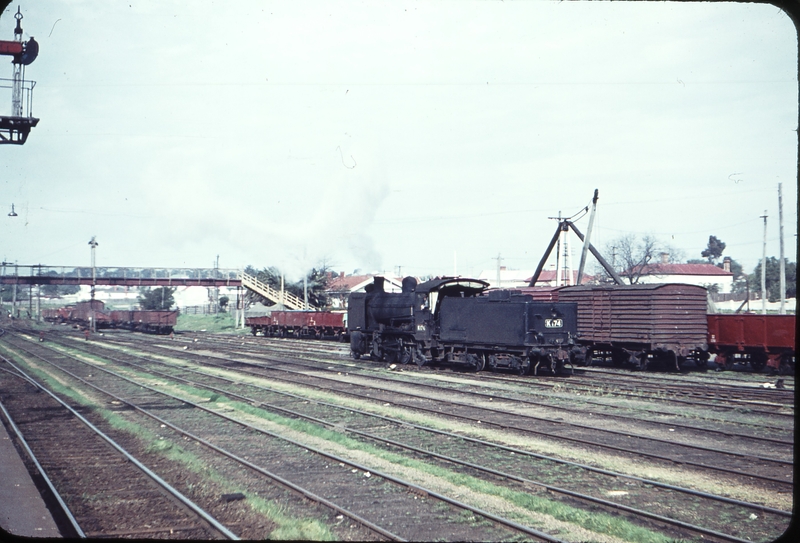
373,135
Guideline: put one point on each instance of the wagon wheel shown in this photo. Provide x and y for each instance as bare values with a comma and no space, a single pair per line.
476,362
406,356
729,361
481,365
492,363
758,361
787,364
619,357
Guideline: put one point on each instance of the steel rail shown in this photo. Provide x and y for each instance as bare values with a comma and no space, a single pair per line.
552,488
610,415
690,390
52,489
418,489
728,384
296,488
528,430
623,417
432,430
538,383
503,425
174,492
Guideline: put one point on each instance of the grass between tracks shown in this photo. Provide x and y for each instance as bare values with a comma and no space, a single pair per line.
287,526
519,504
620,464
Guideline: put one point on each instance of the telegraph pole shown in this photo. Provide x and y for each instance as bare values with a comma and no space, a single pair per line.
93,244
764,268
585,250
783,264
499,259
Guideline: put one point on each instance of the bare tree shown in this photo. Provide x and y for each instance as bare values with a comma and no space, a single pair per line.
633,255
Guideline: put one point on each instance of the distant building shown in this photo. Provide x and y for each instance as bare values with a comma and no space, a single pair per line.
514,279
704,275
340,286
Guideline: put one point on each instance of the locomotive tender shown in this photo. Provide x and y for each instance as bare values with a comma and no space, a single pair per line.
453,320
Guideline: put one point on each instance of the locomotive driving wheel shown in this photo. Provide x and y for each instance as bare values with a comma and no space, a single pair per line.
524,366
419,357
406,355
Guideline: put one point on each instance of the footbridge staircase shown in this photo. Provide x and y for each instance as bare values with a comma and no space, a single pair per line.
289,300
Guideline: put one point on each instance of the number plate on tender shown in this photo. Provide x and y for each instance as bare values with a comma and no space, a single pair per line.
554,323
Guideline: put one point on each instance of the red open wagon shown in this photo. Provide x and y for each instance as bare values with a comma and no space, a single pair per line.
761,340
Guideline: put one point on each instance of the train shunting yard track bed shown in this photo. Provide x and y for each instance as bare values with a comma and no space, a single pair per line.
278,440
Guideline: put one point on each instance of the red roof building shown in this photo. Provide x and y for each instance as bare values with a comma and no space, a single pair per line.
704,275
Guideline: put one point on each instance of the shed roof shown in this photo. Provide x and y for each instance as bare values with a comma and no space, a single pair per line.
684,269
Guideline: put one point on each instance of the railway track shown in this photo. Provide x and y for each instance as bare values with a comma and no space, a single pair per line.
101,488
471,462
503,417
381,501
627,384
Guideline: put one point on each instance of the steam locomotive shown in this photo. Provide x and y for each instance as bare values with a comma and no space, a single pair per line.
453,320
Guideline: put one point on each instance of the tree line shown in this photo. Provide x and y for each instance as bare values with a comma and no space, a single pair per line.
635,256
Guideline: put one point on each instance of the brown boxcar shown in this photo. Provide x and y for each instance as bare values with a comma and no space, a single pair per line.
641,323
761,340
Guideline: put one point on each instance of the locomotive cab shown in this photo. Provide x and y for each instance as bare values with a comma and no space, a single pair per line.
402,326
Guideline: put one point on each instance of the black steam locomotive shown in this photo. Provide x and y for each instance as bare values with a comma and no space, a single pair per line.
452,320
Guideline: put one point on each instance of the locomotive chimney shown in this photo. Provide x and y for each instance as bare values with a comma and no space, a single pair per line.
726,263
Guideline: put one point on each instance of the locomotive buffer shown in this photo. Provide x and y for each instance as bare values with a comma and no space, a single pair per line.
16,127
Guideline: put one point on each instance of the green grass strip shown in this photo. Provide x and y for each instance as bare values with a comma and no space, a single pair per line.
288,527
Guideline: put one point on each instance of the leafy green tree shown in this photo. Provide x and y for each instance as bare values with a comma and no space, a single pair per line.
159,298
773,279
714,249
223,301
60,290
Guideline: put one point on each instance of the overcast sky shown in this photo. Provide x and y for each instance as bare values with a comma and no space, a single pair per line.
427,135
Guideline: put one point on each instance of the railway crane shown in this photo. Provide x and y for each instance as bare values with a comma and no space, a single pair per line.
15,128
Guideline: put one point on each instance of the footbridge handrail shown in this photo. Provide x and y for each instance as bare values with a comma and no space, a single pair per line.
287,299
